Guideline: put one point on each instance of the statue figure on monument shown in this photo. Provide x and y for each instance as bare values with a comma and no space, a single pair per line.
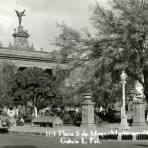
20,15
139,89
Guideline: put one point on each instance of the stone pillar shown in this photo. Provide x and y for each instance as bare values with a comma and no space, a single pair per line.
88,112
139,112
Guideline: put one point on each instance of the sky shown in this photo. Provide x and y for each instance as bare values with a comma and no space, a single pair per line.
41,19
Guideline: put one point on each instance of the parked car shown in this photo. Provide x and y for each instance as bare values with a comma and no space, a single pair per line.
48,119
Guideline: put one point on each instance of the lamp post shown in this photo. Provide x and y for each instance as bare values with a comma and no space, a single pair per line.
123,124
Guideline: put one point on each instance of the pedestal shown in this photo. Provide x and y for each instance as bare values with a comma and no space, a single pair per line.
123,125
139,113
88,112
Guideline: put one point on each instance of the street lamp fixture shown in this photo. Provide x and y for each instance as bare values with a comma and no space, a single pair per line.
123,77
123,124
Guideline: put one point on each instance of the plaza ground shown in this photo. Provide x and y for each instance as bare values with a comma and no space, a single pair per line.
28,141
29,136
102,128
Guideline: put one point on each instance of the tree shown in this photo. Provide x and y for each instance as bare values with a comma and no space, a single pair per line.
83,76
36,86
73,44
67,41
6,83
76,83
121,41
74,47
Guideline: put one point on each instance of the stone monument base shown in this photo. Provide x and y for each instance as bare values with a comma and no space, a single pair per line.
124,125
88,113
139,112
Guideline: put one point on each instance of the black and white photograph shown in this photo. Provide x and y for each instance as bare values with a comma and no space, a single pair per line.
73,73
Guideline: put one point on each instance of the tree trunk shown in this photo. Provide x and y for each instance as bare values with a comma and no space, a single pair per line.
35,111
145,75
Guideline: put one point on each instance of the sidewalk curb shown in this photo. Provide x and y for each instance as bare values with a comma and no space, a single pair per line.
27,133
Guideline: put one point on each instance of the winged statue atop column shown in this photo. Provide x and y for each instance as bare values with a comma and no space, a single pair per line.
20,15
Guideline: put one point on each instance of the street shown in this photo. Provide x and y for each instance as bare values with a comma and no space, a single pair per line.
30,141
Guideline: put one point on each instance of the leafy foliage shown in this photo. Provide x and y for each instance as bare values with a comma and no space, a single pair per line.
121,43
6,81
74,45
36,86
122,40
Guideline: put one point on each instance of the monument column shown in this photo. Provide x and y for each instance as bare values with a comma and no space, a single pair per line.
20,35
